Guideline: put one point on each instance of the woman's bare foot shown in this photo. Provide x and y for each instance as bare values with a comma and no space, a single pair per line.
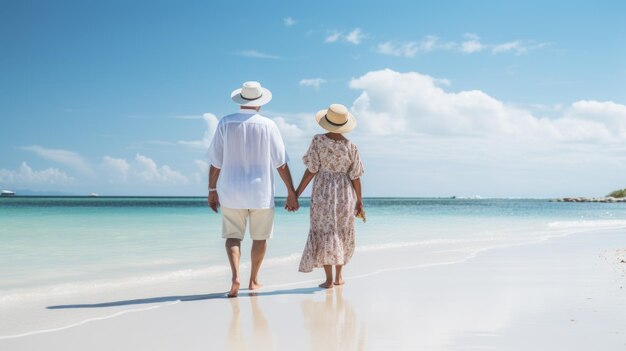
254,285
234,288
338,275
326,285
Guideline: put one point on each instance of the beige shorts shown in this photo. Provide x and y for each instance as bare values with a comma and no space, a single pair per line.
234,223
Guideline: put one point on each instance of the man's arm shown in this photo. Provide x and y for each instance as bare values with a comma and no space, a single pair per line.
292,200
214,199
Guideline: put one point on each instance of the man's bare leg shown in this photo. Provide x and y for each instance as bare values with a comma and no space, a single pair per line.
328,270
233,250
257,253
338,275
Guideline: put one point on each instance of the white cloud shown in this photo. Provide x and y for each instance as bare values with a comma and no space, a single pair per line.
288,130
606,113
355,36
142,170
257,54
297,129
65,157
471,46
510,46
397,49
410,49
145,169
471,43
434,141
518,47
118,167
400,103
211,122
26,175
430,43
314,83
288,21
203,172
333,37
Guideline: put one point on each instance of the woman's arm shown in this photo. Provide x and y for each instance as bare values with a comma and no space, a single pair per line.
306,179
356,183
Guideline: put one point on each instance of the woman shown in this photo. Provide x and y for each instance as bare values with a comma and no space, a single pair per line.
335,164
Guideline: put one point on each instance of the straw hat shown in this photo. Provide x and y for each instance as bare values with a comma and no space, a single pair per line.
251,94
336,119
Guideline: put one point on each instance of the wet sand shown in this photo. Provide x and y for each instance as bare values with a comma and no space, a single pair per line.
566,293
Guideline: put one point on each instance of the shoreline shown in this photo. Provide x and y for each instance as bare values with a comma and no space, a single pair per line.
367,288
215,275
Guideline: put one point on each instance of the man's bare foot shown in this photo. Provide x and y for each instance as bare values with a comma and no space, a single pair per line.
339,281
234,289
254,285
326,285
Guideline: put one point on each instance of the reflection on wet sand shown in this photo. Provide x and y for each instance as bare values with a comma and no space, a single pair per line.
262,337
332,324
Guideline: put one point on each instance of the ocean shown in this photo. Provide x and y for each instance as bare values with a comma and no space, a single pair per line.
61,245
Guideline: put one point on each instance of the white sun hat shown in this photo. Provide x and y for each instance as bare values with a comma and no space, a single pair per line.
251,94
336,119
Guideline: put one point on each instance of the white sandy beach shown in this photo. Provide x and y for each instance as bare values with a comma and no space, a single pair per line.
566,293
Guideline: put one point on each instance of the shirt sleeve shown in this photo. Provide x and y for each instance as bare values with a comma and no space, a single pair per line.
356,169
311,158
278,153
215,154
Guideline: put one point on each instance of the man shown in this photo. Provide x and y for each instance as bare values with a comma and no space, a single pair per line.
244,152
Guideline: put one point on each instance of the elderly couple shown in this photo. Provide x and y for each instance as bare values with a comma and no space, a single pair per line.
244,152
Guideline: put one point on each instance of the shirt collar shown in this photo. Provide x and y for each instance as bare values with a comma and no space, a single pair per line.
247,111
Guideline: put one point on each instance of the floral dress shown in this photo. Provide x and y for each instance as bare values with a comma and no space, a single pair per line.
331,236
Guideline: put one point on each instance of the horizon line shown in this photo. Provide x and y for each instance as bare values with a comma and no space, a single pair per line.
284,197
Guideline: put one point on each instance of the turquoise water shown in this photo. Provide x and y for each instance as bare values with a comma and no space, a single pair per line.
47,241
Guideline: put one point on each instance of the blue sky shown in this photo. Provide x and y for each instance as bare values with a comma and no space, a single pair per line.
490,98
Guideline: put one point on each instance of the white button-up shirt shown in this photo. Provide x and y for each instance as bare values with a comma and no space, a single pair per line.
247,147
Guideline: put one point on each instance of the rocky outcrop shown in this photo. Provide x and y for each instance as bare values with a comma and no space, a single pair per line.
592,199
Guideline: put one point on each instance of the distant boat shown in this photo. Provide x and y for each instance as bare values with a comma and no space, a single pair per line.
7,193
93,195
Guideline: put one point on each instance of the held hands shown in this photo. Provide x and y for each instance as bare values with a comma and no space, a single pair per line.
292,203
214,200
